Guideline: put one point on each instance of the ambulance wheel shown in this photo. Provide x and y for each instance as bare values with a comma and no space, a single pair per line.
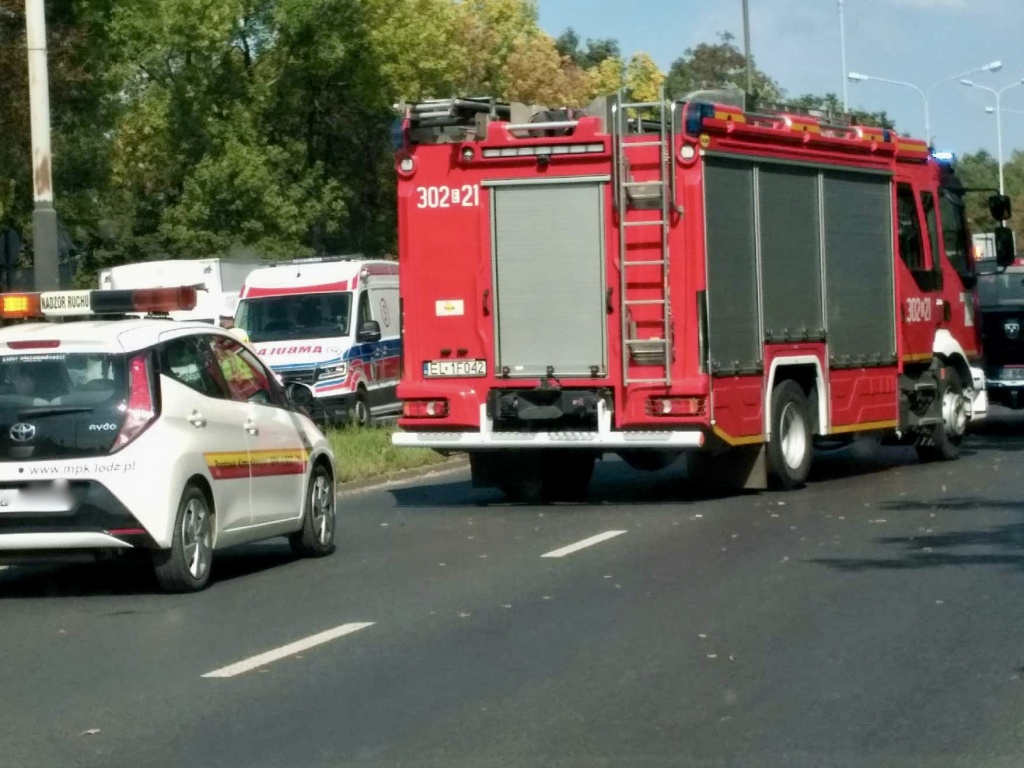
185,567
361,415
567,475
943,444
791,446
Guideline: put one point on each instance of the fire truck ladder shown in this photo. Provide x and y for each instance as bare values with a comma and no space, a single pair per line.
655,120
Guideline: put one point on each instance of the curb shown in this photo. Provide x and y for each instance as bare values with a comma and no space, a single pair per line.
394,478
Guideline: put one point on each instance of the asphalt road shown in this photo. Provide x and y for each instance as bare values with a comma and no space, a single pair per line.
872,619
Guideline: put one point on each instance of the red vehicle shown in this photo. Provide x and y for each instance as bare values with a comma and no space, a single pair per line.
698,279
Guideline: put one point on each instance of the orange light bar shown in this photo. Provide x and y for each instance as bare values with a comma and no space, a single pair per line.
91,303
16,306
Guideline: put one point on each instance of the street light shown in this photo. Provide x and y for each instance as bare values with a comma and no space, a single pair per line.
842,49
992,66
991,110
998,93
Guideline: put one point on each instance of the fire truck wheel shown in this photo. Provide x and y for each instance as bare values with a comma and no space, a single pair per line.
567,475
943,444
791,447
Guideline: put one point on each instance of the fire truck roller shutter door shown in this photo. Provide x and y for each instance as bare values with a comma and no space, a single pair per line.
734,332
549,278
859,265
790,232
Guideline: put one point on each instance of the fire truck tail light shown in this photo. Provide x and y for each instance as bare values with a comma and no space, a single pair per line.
425,409
676,406
406,165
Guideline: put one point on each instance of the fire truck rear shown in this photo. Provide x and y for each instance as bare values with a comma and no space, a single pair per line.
657,279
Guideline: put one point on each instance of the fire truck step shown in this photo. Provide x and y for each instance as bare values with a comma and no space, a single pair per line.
656,262
648,381
658,223
655,183
645,341
632,144
638,302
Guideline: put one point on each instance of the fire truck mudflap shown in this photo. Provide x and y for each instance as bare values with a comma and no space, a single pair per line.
663,279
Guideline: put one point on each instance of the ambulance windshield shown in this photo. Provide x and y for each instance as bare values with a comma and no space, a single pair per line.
298,316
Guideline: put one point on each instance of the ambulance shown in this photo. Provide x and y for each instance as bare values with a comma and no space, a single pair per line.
333,324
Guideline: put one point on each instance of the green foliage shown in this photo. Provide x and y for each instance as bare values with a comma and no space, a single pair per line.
717,65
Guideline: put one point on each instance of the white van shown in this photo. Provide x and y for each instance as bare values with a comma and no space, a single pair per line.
218,282
333,324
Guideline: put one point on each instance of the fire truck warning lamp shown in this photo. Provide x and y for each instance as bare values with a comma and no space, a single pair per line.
20,306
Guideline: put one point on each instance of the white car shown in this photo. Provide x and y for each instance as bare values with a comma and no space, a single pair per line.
149,434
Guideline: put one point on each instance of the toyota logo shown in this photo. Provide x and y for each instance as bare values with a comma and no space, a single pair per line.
22,433
1012,329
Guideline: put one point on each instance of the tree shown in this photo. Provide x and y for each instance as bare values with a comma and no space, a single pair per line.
830,106
587,57
643,79
716,66
537,74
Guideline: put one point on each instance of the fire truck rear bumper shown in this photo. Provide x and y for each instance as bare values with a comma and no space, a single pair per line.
602,438
496,440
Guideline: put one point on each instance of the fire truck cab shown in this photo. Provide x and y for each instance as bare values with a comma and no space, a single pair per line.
676,277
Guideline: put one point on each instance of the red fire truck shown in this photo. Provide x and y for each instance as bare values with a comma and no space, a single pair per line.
657,279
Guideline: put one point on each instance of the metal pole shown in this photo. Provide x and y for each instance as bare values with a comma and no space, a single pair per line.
842,47
999,140
746,46
44,217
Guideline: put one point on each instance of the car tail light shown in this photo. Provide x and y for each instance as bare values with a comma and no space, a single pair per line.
141,407
676,406
425,409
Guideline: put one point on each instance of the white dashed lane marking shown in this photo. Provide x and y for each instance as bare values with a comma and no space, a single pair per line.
255,662
568,550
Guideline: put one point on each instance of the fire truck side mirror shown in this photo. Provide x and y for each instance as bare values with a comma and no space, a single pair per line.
1005,249
999,206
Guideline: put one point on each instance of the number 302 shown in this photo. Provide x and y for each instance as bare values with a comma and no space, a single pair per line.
466,196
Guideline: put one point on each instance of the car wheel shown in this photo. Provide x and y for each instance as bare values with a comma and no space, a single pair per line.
185,567
316,537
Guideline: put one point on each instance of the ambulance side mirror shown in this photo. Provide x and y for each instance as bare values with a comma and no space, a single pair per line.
1000,208
369,331
1005,247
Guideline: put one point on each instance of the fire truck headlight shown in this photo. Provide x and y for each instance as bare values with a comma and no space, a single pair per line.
687,152
467,154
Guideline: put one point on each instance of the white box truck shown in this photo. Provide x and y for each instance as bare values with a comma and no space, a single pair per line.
219,281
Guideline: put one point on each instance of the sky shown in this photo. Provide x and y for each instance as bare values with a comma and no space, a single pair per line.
797,42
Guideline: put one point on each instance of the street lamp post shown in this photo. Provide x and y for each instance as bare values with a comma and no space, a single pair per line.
842,49
926,95
746,47
998,93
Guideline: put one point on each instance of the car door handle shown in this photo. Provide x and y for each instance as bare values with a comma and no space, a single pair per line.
196,419
251,428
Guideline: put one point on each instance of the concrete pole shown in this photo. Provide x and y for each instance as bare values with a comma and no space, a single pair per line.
44,216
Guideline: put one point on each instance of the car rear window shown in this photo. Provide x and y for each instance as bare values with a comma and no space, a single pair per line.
58,405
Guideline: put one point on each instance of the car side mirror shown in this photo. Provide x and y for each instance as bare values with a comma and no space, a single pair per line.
369,331
1006,250
299,395
1000,208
